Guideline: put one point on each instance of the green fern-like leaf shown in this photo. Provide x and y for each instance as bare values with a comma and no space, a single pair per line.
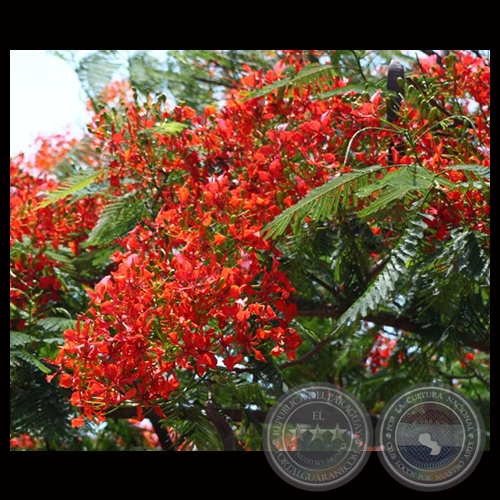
396,186
315,75
411,178
323,202
64,257
384,284
18,356
116,220
352,88
54,324
389,196
194,427
97,70
471,319
71,186
19,339
37,407
479,170
466,258
81,156
167,128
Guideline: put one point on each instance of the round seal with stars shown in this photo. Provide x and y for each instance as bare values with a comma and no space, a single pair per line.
317,437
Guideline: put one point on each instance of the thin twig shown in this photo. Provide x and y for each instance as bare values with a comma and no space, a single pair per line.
306,357
482,379
386,319
358,62
455,377
324,284
220,423
214,82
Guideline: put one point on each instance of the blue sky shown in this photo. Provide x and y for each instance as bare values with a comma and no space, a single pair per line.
45,98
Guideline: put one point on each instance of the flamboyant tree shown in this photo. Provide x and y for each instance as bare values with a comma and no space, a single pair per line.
315,227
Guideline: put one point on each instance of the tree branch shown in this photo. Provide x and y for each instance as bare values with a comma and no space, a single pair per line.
239,416
223,428
387,319
214,82
220,423
162,433
482,379
306,357
360,68
125,412
376,269
382,318
465,377
324,284
325,312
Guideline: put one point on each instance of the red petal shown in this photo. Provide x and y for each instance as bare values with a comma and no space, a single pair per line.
66,381
77,422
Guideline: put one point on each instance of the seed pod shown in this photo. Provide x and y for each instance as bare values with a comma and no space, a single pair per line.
433,114
395,74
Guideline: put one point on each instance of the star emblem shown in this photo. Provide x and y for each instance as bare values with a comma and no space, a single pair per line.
298,432
338,433
317,433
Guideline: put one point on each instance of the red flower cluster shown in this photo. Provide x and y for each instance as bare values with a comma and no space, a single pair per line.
439,149
197,286
37,234
24,442
380,353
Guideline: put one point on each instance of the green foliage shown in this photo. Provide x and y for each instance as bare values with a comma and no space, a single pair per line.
19,353
171,128
381,289
353,87
97,69
54,324
194,77
432,296
78,158
326,201
396,186
117,219
71,186
478,170
323,202
37,408
316,76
